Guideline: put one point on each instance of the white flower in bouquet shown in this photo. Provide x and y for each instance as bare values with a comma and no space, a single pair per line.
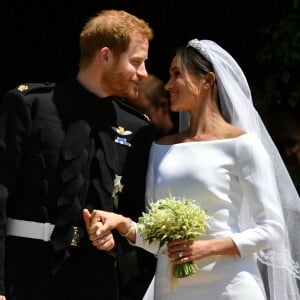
174,218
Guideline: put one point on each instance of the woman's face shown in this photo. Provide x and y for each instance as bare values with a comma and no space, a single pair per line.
184,88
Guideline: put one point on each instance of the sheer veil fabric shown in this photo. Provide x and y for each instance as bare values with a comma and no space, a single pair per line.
283,258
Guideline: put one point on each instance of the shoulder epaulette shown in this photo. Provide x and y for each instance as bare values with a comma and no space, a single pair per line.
33,88
147,117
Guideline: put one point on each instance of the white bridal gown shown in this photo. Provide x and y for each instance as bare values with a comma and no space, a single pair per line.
217,174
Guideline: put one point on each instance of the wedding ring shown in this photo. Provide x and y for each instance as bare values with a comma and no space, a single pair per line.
180,254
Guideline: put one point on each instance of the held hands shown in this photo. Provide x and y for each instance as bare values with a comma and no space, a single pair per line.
99,224
99,233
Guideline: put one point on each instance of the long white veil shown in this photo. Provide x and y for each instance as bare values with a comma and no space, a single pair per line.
282,259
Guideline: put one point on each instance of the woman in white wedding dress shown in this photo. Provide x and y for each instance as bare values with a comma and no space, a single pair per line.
224,159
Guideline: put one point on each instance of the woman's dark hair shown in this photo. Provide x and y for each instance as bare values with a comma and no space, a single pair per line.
194,61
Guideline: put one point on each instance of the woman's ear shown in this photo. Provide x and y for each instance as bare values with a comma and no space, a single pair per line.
210,79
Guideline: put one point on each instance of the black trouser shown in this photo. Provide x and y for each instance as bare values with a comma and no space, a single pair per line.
88,274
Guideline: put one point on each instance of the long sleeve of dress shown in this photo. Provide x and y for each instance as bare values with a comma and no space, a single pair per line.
261,195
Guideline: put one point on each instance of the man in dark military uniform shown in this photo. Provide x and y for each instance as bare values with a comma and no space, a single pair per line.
71,146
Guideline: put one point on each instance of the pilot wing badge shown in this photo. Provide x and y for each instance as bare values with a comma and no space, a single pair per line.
121,133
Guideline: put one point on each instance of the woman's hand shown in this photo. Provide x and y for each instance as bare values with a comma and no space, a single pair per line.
2,297
182,251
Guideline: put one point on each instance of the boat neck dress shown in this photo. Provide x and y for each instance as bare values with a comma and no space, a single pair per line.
218,175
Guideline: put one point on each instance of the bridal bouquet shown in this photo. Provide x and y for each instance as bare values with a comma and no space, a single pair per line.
170,219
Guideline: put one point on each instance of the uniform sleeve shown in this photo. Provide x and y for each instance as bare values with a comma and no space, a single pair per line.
257,179
153,247
14,128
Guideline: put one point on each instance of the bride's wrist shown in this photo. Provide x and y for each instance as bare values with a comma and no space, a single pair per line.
128,226
124,226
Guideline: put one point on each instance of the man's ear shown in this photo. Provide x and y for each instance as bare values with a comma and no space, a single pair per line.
104,55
